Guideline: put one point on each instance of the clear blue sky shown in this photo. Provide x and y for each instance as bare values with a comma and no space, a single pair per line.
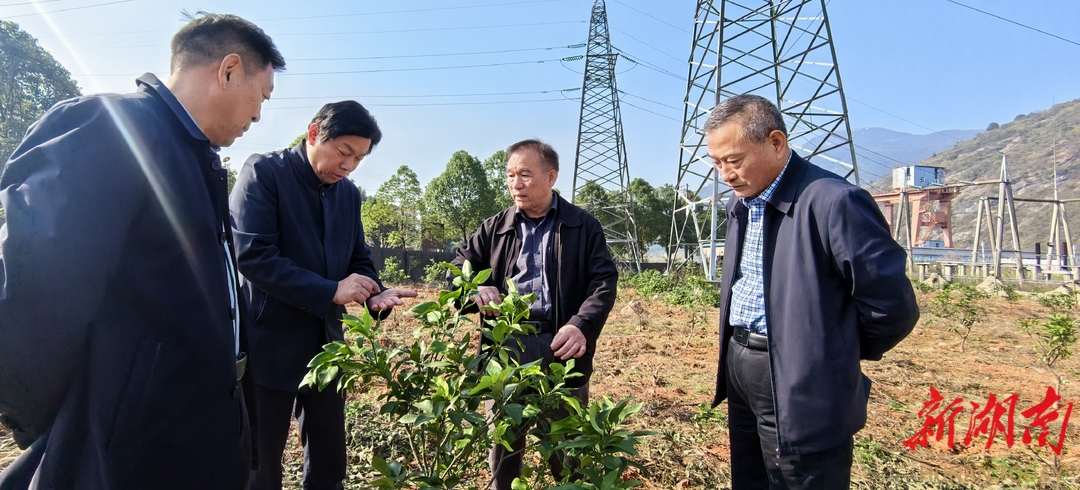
915,65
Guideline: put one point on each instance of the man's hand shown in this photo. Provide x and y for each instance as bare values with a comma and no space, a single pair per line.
389,298
569,342
487,295
356,288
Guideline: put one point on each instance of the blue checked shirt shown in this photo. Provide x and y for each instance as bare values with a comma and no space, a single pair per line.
748,291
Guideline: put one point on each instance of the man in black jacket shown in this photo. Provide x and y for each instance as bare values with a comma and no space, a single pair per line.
813,282
557,250
301,251
119,330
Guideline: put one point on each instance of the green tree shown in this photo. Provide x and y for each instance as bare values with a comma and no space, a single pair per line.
652,211
231,173
460,198
596,200
378,219
297,140
31,81
402,192
495,168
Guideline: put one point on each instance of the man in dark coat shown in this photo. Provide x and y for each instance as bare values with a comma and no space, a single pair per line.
557,250
119,331
301,251
812,283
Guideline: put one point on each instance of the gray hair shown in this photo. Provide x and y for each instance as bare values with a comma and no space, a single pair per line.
758,116
547,154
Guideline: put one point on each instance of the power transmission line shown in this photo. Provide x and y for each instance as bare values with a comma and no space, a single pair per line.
432,55
25,3
424,104
902,119
1025,26
344,72
415,96
431,9
535,24
651,112
426,29
638,61
68,9
654,48
646,14
649,100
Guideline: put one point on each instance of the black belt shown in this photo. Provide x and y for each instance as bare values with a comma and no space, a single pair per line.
541,326
744,337
241,365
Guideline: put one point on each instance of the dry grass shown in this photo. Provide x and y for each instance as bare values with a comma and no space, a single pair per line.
658,359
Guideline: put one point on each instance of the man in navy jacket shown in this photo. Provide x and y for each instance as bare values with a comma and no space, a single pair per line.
300,248
812,284
119,332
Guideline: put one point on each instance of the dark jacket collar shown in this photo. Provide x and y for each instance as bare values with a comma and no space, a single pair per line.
565,213
788,188
152,84
302,166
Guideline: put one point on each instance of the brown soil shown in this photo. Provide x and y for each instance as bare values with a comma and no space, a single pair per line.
666,359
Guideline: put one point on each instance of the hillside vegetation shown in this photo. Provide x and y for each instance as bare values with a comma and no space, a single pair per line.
1031,143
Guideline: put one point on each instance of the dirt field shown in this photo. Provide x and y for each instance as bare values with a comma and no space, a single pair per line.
666,359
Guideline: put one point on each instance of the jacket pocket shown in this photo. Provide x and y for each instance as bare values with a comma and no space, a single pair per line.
131,406
258,305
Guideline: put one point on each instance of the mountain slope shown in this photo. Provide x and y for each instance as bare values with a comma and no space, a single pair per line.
1031,143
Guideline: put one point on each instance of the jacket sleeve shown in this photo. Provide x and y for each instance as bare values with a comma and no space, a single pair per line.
603,279
71,191
872,264
254,208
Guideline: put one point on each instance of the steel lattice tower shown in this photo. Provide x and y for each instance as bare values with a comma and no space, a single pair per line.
781,50
601,152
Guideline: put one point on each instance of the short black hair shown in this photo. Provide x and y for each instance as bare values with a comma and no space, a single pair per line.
347,118
547,153
207,38
758,116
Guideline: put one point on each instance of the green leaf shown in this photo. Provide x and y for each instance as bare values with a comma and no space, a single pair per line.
610,480
482,276
424,308
514,410
380,465
531,411
327,376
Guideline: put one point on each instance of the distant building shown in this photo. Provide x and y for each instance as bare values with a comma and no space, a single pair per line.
917,176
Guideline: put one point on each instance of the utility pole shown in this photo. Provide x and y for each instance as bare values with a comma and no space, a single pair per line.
601,150
781,50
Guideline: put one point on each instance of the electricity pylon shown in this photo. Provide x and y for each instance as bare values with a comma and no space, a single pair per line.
781,50
601,176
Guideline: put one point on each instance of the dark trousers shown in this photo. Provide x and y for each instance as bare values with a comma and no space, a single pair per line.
756,462
322,432
506,465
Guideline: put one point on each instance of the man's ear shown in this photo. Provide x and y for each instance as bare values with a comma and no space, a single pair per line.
778,140
231,67
312,133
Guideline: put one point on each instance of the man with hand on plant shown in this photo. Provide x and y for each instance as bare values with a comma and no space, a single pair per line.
813,283
300,248
549,247
121,348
